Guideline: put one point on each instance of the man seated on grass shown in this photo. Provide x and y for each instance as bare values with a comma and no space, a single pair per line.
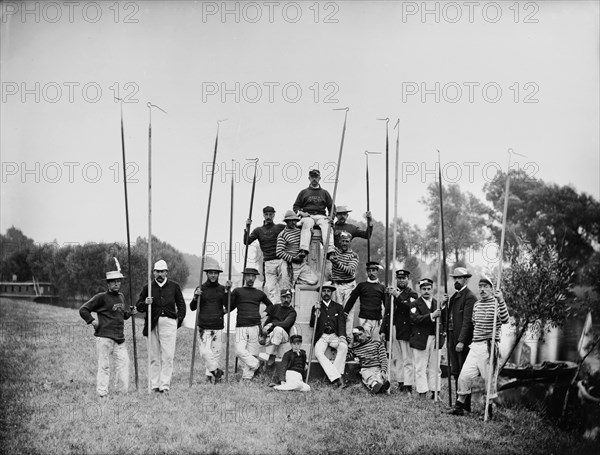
279,322
294,365
111,311
373,360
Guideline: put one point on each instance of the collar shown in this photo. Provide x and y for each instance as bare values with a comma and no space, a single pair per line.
318,187
374,281
325,303
160,285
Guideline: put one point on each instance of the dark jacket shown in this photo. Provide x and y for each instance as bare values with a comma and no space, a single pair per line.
167,301
281,316
461,312
291,361
267,239
402,305
331,318
423,326
213,304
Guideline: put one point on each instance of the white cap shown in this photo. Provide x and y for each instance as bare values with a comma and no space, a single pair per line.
161,265
113,275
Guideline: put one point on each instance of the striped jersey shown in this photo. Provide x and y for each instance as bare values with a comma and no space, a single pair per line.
288,244
483,319
343,265
371,354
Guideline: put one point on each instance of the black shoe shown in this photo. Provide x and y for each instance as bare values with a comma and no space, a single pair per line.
458,409
423,395
385,387
271,360
376,387
155,389
433,395
209,379
490,411
340,383
218,374
467,404
407,389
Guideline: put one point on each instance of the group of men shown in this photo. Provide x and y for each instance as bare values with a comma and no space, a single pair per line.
285,249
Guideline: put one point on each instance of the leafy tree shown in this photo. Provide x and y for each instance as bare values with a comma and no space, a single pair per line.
465,220
563,218
14,248
538,288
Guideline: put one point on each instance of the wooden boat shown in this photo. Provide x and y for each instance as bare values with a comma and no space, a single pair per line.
37,291
540,371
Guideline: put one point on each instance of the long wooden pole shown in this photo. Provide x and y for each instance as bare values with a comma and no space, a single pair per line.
326,240
394,243
387,201
135,358
493,341
437,320
441,189
212,177
249,224
229,278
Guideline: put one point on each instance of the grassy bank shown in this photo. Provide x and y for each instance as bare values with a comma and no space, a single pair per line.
49,405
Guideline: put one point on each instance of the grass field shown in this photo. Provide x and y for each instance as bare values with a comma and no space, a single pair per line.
49,405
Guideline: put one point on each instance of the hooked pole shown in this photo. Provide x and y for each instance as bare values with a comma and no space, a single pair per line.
149,309
249,221
367,153
135,357
394,243
229,277
441,189
212,177
327,237
387,200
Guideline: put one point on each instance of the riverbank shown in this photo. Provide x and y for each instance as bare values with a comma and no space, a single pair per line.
50,406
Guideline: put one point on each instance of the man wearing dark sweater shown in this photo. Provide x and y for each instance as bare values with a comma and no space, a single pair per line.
341,214
213,304
247,300
267,239
372,301
111,311
403,361
313,204
279,322
168,311
293,364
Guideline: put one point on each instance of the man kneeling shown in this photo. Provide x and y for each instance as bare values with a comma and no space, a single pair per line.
294,364
373,360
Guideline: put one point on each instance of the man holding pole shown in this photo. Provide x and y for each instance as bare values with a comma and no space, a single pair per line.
422,340
313,204
330,330
247,300
344,263
404,298
213,304
341,225
477,362
372,302
460,326
111,311
267,239
168,311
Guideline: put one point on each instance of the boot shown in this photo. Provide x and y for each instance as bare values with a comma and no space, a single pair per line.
458,409
271,360
408,389
218,374
467,404
376,387
490,411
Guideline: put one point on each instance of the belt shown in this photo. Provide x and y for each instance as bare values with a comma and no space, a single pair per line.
328,331
344,281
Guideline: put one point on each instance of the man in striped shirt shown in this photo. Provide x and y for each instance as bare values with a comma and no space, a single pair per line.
373,361
344,262
294,268
478,359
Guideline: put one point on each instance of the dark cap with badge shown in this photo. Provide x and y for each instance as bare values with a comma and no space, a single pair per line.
402,273
425,282
314,173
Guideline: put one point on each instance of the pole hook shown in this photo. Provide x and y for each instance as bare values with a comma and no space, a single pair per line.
150,106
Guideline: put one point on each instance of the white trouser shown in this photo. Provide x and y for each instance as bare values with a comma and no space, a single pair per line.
307,224
293,381
477,362
342,294
272,280
371,375
426,368
299,274
210,349
336,369
162,352
105,347
246,348
274,340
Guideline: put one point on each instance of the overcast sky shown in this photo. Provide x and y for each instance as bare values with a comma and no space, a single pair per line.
471,80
